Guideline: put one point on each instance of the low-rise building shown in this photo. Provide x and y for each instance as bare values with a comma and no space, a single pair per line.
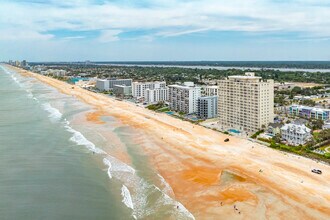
283,86
310,112
274,128
295,134
207,107
326,125
183,98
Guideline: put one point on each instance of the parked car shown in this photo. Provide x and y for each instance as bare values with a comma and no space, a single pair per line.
316,171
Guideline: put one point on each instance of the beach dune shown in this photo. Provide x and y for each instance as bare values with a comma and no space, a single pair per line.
212,178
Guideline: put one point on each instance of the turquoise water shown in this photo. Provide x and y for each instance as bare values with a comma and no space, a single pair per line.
52,167
234,131
74,80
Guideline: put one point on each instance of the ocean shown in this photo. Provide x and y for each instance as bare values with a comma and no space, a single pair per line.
54,166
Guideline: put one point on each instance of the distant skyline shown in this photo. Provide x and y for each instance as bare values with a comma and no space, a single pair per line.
164,30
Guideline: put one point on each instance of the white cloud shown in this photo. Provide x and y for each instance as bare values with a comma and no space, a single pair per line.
109,36
168,18
14,34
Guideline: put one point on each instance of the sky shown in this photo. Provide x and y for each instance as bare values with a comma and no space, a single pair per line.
164,30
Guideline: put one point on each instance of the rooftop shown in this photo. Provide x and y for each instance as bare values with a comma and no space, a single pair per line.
300,129
314,109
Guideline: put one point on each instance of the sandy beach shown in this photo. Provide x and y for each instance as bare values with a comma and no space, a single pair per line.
213,179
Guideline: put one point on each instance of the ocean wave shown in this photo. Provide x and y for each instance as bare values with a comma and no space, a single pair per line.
127,198
30,95
54,114
16,80
117,166
81,140
141,190
108,163
181,211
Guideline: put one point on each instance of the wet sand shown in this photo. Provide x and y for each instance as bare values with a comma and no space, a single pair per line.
214,179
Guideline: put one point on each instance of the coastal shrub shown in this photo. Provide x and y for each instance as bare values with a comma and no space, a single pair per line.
264,140
254,136
274,145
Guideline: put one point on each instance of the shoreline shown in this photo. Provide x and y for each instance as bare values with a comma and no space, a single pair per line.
196,162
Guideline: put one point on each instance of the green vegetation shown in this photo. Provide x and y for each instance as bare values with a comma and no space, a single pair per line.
165,109
280,96
254,136
160,106
108,92
179,74
62,78
324,135
315,124
181,113
321,138
307,102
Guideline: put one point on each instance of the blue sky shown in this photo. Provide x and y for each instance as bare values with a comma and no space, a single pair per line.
119,30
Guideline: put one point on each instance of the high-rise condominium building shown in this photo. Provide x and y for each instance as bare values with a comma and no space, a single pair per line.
245,103
113,82
211,90
122,90
102,84
138,88
156,95
207,107
183,98
108,84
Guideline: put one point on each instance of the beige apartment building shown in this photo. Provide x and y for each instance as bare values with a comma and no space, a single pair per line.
245,103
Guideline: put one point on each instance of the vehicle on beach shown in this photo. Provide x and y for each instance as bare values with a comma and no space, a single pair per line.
226,140
316,171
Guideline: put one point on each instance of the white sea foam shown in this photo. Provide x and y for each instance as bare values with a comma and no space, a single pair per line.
127,199
16,80
118,166
54,114
108,163
141,189
29,94
81,140
165,199
167,188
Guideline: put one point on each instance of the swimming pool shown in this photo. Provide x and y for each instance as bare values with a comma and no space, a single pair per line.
234,131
